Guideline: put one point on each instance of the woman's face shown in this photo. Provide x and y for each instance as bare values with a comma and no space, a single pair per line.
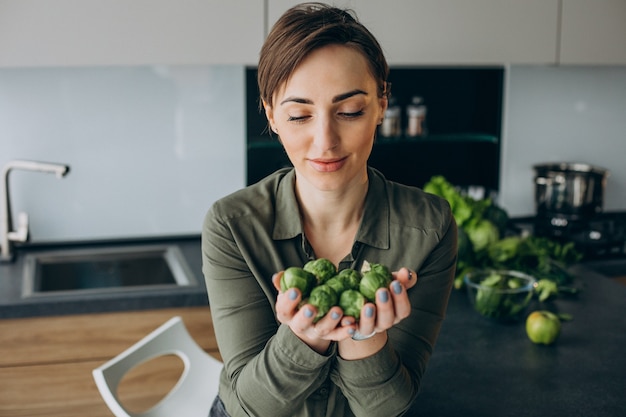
326,116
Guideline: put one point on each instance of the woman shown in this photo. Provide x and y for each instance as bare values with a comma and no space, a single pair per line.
322,78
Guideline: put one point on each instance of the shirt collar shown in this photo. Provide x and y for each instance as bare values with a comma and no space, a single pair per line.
374,229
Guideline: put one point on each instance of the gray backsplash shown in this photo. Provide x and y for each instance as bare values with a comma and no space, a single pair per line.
151,148
565,114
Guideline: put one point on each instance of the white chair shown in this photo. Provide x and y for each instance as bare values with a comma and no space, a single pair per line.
194,392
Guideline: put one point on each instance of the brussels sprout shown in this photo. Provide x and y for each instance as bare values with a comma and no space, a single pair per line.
323,269
322,298
378,268
351,302
336,284
295,277
351,278
372,281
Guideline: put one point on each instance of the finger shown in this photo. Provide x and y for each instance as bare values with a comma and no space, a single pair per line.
303,319
367,321
276,279
329,322
401,303
287,304
385,312
407,276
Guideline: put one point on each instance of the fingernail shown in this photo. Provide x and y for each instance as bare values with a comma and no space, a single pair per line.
396,287
293,294
383,296
351,331
308,313
369,312
334,315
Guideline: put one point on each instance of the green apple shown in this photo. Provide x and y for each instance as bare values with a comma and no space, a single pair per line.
543,327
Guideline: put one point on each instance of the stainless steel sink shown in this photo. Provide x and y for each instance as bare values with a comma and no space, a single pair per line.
108,269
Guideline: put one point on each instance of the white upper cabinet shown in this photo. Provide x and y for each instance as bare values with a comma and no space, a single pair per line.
456,32
593,32
123,32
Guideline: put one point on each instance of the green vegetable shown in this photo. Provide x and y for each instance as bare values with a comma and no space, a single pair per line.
323,287
481,233
371,282
351,302
347,279
483,244
295,277
377,268
322,268
322,298
546,289
491,302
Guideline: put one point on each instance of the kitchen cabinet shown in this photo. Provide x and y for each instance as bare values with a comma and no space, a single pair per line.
119,32
593,32
456,32
46,362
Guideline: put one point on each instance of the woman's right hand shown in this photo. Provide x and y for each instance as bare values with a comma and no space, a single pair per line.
300,319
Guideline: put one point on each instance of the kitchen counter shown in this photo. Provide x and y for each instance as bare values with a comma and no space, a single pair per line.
13,304
482,368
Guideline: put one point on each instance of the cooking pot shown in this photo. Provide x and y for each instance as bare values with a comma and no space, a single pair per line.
567,189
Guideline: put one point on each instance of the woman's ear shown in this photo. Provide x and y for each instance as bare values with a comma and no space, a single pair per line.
269,114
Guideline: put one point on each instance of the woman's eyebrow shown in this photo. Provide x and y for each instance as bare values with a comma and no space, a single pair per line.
336,99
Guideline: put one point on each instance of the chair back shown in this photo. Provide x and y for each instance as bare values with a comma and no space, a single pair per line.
194,392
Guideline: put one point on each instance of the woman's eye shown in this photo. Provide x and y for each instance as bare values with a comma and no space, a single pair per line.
351,115
296,118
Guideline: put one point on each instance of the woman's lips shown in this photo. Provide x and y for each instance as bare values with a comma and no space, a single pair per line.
327,165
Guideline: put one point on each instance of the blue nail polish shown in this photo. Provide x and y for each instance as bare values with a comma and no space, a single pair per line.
308,313
334,315
383,296
369,312
396,287
293,294
351,331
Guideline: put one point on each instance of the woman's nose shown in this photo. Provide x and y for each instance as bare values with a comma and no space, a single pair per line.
326,136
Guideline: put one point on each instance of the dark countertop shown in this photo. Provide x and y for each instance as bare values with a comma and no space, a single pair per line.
482,368
13,304
479,368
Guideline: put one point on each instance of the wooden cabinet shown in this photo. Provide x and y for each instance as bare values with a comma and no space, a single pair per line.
120,32
593,32
46,362
456,32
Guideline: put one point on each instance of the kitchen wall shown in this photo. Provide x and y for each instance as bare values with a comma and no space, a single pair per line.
575,114
150,148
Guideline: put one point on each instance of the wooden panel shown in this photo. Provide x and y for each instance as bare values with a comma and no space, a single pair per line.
68,389
43,340
46,363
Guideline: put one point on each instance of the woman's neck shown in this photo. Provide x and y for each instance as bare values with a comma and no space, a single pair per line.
331,219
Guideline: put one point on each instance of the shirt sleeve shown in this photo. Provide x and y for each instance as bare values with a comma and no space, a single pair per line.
269,370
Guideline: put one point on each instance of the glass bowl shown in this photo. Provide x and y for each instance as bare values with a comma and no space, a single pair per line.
502,295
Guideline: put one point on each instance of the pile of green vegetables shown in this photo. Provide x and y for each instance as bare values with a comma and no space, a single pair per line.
483,243
323,287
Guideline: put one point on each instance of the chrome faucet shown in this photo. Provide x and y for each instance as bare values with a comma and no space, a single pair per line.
21,234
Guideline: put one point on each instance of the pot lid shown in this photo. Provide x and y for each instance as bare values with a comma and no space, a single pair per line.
571,167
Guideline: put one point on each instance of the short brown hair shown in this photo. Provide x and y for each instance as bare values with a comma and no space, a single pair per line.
309,26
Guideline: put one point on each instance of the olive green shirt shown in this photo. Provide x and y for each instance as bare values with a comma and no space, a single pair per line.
268,371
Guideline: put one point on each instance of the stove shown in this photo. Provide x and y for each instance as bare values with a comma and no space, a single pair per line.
600,236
